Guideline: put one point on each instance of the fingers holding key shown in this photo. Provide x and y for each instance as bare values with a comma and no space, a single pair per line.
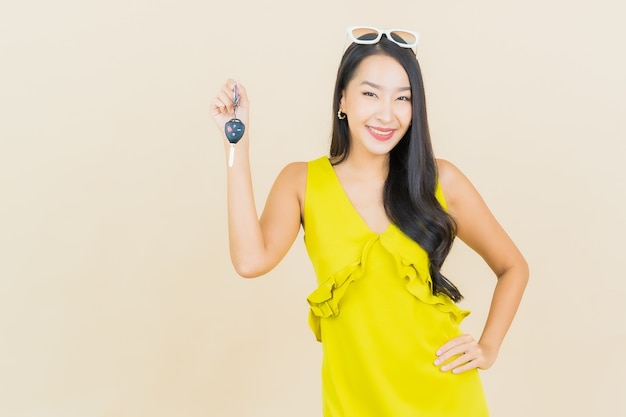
223,105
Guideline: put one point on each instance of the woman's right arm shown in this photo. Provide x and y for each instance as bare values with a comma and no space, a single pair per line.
257,245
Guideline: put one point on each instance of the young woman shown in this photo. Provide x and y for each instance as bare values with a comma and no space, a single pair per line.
380,215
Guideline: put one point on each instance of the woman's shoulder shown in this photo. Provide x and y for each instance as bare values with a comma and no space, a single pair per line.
298,167
292,179
294,175
454,184
297,171
447,173
294,172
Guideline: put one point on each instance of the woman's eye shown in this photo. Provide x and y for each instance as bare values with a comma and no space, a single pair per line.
369,94
404,98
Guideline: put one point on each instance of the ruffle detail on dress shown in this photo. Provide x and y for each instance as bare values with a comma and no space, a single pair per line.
324,301
413,264
421,286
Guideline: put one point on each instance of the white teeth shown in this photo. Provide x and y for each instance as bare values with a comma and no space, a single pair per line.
378,132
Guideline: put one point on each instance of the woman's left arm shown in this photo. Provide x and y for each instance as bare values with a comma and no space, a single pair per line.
479,229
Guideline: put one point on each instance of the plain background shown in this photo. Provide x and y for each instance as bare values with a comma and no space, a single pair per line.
117,296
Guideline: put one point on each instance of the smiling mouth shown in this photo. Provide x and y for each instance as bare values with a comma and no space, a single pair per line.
381,134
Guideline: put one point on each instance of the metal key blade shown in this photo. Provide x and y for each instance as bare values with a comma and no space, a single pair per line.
231,155
235,99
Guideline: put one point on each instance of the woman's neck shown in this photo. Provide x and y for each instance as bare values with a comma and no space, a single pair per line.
367,166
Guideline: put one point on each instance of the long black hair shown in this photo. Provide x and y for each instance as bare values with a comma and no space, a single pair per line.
409,191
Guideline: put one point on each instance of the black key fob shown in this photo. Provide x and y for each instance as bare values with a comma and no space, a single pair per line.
234,130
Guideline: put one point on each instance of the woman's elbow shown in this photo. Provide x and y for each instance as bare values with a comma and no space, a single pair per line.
248,269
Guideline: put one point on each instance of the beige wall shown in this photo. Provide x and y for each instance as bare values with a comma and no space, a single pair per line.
117,297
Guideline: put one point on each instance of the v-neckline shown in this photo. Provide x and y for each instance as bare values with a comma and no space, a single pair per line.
351,205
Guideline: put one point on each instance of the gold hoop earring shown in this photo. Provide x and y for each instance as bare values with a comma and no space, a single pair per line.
341,115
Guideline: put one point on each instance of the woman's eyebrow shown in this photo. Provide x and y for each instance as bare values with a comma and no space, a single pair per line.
373,85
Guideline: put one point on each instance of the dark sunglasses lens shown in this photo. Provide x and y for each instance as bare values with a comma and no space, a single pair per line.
403,37
364,34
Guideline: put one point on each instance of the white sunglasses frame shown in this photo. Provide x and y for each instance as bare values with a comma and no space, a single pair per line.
380,33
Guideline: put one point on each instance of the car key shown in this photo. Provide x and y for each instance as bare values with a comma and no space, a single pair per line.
234,128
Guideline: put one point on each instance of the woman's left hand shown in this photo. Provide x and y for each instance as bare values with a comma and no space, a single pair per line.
466,354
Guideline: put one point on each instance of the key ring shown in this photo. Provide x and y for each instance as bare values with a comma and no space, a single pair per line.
234,128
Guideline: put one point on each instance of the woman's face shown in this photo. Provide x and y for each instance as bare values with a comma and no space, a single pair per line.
377,103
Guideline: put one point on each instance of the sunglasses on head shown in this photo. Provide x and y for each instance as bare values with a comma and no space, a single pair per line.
368,36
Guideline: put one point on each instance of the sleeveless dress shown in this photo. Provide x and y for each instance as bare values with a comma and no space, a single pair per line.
376,317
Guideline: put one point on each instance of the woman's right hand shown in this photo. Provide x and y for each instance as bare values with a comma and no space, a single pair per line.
222,107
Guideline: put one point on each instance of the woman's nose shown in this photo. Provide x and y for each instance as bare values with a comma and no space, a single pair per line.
385,111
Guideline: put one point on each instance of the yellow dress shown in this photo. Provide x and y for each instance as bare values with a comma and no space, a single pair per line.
375,314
